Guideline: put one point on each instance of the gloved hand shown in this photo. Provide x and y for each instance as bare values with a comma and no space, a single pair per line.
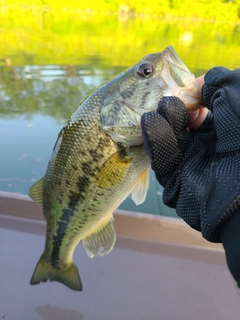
200,171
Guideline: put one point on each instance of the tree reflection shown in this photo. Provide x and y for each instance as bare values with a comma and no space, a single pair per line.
51,60
53,91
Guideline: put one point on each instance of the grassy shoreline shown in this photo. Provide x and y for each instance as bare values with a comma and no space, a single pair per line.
40,34
219,10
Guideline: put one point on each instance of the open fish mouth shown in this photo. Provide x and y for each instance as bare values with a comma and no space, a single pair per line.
173,59
179,80
175,73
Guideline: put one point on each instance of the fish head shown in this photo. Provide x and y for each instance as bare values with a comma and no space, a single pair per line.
139,89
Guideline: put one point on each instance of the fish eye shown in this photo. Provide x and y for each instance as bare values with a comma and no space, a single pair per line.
145,70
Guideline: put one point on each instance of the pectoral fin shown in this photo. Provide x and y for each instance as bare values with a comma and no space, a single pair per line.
139,191
101,241
112,171
36,192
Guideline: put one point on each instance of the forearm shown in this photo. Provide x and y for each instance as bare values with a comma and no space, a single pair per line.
230,237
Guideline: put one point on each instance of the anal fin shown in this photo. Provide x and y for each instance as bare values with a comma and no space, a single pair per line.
101,241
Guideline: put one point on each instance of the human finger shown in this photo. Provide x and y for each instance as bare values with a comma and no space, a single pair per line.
197,117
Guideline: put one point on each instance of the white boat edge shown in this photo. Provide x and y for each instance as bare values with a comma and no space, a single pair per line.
143,226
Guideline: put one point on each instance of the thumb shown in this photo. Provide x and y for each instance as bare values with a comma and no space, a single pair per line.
197,117
158,137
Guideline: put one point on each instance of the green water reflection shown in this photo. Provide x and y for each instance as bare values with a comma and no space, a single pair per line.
49,61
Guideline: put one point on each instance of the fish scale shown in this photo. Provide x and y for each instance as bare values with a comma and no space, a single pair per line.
98,160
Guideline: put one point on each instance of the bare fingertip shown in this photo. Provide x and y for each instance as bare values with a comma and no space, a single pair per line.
197,118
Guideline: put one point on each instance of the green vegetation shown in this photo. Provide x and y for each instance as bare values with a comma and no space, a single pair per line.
39,36
217,10
98,45
54,52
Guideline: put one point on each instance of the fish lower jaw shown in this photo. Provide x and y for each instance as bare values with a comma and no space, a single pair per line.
190,96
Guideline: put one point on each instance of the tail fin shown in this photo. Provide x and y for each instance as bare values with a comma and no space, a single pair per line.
44,272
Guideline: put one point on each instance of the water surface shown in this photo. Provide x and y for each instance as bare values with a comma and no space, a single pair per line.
49,61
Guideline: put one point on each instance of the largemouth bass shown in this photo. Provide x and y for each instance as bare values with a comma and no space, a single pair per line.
99,159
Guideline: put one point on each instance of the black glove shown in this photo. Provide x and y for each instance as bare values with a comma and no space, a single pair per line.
200,171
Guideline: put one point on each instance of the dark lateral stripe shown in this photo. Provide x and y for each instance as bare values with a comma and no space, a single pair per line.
67,214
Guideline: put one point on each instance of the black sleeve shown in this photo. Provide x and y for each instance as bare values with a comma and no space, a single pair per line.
200,171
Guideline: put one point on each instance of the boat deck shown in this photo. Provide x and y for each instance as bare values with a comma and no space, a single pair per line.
159,269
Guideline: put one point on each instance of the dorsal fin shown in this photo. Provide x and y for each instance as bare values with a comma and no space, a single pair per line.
35,192
101,241
139,191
